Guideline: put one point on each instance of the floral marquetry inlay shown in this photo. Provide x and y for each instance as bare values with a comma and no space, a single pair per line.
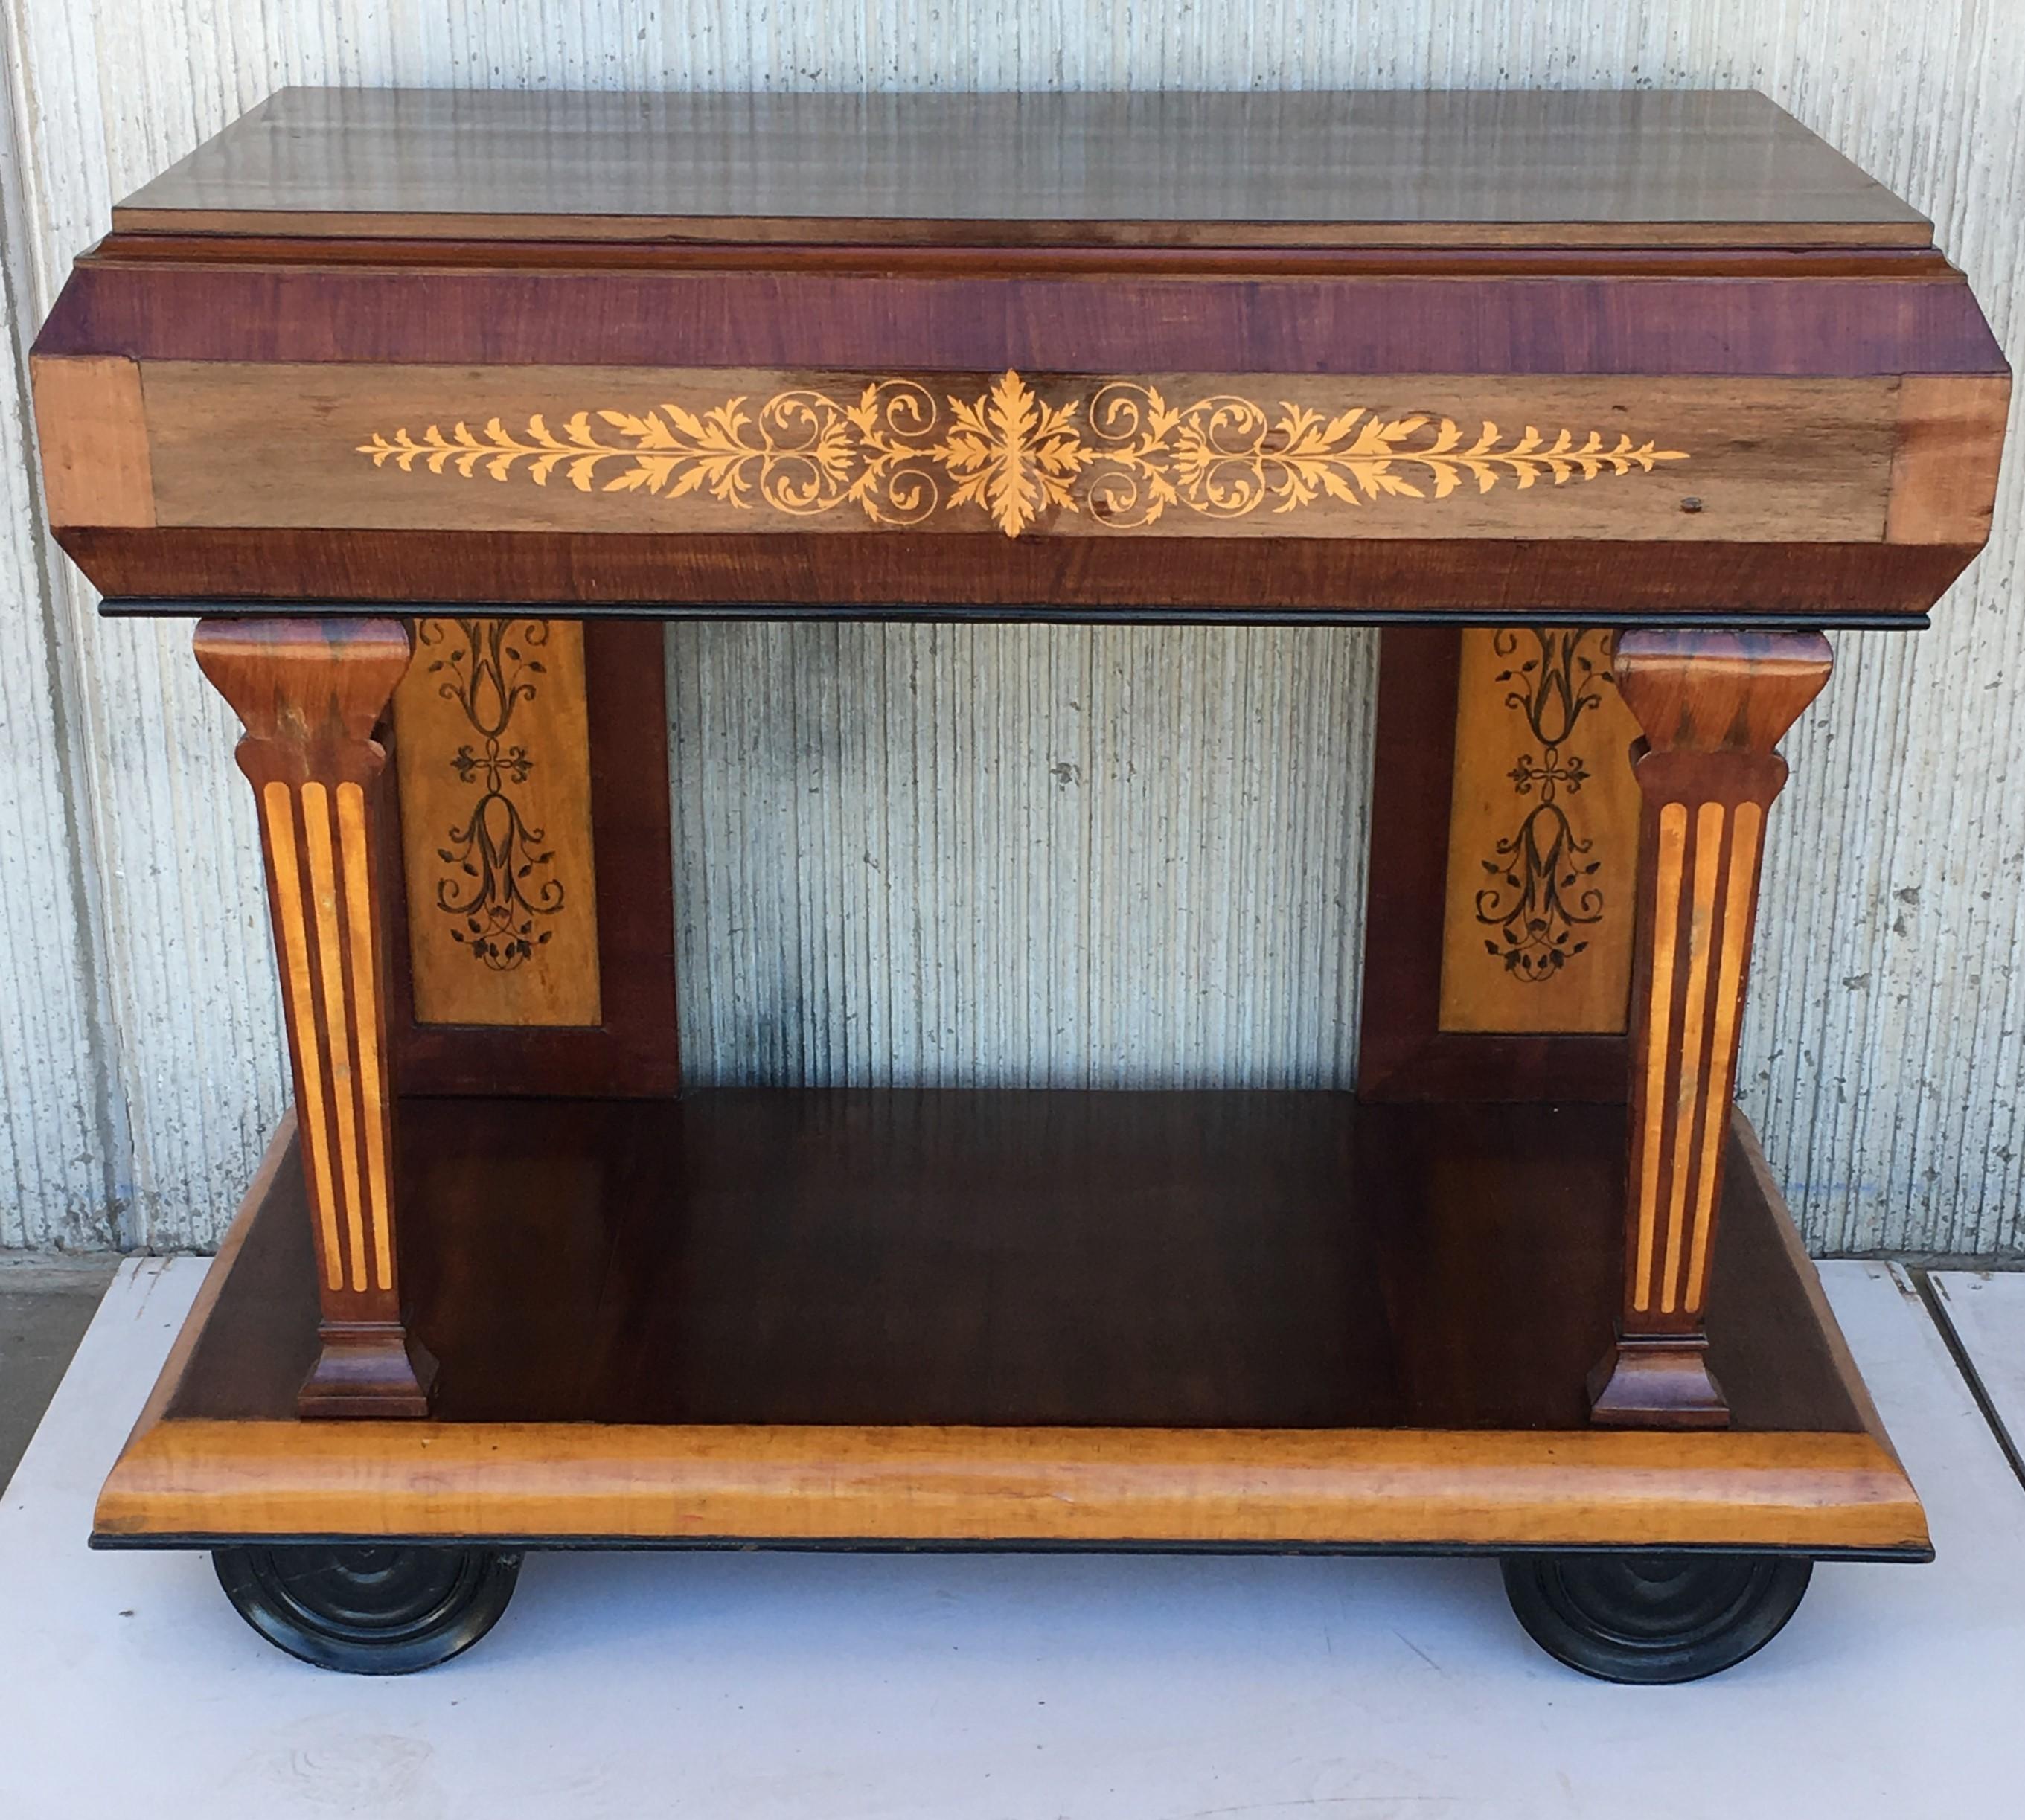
1123,454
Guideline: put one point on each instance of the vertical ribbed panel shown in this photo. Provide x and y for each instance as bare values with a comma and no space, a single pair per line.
919,894
56,1185
196,1009
1035,856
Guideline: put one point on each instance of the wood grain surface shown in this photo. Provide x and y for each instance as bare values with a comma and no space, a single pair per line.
1404,1052
1944,474
1641,246
871,575
973,314
92,431
1151,1258
1212,454
571,1302
1346,1487
632,1047
493,754
1543,838
1378,168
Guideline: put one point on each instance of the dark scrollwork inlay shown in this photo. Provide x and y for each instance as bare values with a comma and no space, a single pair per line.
496,892
1540,894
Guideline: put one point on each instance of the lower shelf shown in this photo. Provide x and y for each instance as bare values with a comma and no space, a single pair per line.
1275,1320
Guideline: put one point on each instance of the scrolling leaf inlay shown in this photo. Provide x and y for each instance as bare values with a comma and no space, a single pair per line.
496,895
1121,456
1540,894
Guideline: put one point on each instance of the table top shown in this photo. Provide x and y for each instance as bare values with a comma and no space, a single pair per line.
1368,170
1481,356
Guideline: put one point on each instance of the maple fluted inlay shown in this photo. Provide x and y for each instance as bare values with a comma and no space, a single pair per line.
1122,454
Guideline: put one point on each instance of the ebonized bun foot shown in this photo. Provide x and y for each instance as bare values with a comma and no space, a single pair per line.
1654,1618
365,1608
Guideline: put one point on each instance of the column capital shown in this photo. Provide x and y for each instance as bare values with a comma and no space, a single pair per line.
1719,691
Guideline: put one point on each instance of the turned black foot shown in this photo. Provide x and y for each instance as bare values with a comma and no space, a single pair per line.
366,1608
1654,1617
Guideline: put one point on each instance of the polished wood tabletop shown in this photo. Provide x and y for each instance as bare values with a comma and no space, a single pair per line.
1386,168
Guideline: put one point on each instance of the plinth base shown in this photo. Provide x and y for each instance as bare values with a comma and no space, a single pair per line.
1005,1319
1642,1383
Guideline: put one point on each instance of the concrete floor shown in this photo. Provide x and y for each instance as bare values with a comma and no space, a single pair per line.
46,1304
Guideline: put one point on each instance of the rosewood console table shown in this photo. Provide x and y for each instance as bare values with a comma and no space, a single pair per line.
428,407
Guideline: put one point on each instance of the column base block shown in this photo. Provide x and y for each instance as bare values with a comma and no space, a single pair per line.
1642,1383
376,1372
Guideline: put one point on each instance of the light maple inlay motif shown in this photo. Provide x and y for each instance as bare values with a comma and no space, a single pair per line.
1122,456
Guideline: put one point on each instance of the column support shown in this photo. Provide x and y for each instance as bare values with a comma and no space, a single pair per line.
310,693
1713,705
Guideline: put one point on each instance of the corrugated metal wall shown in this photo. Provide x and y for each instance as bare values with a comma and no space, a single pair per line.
1009,853
1046,857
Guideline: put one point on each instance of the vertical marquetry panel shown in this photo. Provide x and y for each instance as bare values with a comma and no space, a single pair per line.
1543,837
493,752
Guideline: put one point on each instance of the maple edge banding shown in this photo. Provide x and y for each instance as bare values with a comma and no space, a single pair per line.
192,1479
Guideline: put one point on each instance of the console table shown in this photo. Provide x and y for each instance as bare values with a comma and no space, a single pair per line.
429,407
